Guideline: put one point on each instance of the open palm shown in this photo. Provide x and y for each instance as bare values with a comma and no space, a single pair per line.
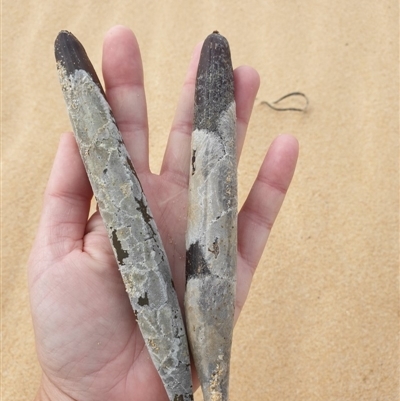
88,342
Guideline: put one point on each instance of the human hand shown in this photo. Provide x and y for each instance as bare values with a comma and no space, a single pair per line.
88,343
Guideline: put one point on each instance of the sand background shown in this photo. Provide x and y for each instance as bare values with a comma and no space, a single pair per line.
321,321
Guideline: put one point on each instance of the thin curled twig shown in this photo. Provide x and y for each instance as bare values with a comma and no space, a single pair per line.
303,109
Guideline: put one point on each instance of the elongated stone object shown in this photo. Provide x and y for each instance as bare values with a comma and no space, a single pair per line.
212,230
132,231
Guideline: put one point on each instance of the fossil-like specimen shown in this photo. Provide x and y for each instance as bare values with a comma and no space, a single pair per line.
132,231
211,234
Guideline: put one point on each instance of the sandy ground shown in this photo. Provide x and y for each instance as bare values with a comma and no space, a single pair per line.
321,321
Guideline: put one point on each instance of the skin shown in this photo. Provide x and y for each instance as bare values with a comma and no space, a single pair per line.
88,343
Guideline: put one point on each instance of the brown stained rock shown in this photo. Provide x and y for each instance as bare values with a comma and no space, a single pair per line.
132,231
211,239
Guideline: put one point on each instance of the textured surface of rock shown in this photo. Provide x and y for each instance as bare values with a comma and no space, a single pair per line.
132,231
211,240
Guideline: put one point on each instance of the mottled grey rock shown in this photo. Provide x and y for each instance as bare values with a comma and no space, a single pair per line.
132,231
211,240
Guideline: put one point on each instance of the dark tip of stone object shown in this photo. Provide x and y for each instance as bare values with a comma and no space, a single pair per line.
72,56
214,82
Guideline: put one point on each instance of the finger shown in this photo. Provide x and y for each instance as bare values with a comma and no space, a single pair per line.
259,211
123,77
66,201
177,154
247,83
